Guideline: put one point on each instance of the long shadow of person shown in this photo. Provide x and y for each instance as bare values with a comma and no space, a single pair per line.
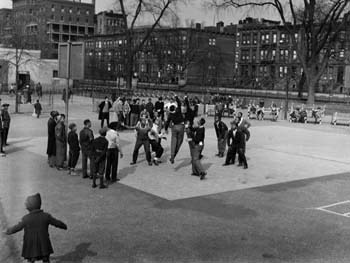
78,255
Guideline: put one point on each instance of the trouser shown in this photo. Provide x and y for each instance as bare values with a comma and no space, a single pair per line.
105,116
221,145
1,141
133,119
157,148
45,259
84,159
73,157
52,160
197,167
112,163
5,133
177,137
241,157
231,156
99,170
146,146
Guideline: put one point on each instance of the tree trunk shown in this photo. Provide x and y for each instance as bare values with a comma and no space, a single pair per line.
301,84
17,87
312,82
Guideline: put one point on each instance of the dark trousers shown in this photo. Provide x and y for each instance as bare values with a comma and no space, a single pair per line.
85,156
99,170
197,168
73,157
5,133
105,116
1,140
133,119
112,163
146,146
177,137
157,148
231,156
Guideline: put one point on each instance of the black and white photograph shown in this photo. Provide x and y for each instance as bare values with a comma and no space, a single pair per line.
175,131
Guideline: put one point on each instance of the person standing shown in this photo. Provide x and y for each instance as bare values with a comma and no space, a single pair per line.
126,112
155,136
104,108
142,129
236,142
150,108
2,152
178,129
159,107
114,149
86,136
99,153
39,90
51,139
61,142
37,109
243,125
74,148
221,135
134,113
36,239
6,120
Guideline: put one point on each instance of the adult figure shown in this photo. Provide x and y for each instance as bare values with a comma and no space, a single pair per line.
104,108
150,108
2,152
61,142
51,139
221,135
118,110
142,105
114,149
243,126
6,120
29,94
86,136
37,109
159,107
175,118
126,112
39,90
155,136
134,112
143,127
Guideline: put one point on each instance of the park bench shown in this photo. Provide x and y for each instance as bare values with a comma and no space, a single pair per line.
341,118
306,114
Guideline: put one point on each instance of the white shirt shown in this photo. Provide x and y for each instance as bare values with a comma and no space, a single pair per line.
113,139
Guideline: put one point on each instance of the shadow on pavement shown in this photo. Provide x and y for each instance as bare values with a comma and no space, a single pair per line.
78,255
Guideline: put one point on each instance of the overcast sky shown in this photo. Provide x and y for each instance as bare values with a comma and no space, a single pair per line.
193,11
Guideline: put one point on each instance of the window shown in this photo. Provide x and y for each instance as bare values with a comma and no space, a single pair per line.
52,8
109,67
212,41
87,12
62,9
70,10
255,38
78,11
341,53
55,73
274,38
62,18
273,54
294,55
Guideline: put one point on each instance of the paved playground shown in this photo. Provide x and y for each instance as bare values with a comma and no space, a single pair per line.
291,205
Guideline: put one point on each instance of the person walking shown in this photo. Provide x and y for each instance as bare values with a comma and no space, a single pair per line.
142,129
175,118
86,136
37,109
114,149
243,125
236,142
61,142
99,153
6,120
74,148
221,135
104,108
51,139
36,240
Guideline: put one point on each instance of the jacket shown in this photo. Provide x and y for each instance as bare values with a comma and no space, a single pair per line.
198,135
36,240
51,140
101,106
86,137
176,117
221,130
6,119
236,140
73,141
99,149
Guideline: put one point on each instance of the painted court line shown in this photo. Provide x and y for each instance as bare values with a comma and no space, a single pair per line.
324,209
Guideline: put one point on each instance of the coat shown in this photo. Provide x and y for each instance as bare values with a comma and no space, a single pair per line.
51,139
221,130
6,119
61,143
237,140
101,106
36,240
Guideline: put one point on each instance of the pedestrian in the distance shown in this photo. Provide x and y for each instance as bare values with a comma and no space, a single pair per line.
36,241
37,109
74,148
114,149
221,135
6,120
99,153
104,108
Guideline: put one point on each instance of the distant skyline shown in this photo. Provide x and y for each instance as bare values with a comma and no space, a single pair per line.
192,11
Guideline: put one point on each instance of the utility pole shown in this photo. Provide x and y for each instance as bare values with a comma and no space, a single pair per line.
68,78
287,97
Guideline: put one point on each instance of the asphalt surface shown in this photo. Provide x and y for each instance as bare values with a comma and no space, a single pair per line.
269,218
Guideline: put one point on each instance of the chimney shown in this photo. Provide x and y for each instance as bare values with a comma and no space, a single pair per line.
198,26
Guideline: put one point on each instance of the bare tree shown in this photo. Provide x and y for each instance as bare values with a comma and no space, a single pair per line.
314,27
134,11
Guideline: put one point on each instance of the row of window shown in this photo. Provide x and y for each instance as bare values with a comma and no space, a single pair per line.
265,38
266,54
70,10
70,19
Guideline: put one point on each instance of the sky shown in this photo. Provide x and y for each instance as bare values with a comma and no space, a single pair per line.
193,10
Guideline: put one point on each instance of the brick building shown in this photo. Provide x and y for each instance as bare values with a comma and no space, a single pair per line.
108,22
5,23
192,55
49,22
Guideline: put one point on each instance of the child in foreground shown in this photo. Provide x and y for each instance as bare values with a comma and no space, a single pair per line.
36,241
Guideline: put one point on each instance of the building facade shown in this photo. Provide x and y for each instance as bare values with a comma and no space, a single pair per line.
171,55
5,24
49,22
108,22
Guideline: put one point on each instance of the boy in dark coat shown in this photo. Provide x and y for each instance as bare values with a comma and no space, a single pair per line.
236,144
99,152
36,240
37,108
51,140
86,137
74,148
221,134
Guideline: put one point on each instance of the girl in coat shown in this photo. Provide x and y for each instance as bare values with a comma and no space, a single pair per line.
36,240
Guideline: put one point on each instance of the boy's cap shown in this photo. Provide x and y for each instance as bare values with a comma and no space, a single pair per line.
103,131
33,202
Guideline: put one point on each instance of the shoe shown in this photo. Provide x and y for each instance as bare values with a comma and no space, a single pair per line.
94,185
171,161
115,180
226,164
73,173
218,154
59,168
245,167
193,174
221,155
85,176
203,175
150,163
240,164
155,162
103,186
132,163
